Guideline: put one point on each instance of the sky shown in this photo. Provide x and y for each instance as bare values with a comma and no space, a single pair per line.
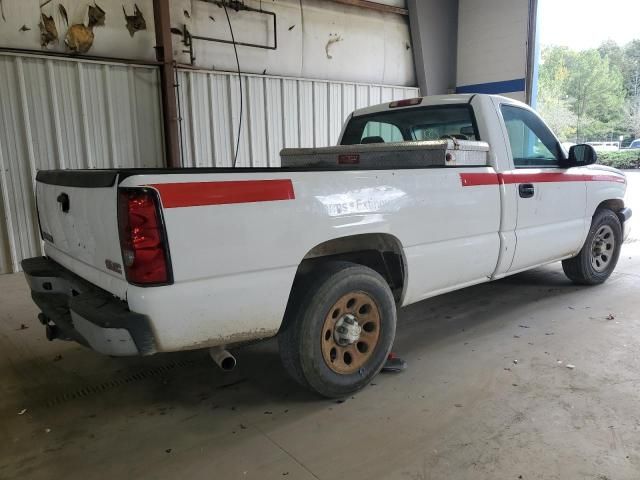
582,24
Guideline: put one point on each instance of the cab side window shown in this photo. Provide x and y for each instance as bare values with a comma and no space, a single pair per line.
532,143
381,132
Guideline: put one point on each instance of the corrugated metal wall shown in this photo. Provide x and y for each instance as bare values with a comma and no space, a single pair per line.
277,112
63,113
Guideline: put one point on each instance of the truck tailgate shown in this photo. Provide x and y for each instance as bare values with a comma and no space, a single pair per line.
79,223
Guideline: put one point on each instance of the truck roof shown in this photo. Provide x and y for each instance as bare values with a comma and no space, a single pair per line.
451,99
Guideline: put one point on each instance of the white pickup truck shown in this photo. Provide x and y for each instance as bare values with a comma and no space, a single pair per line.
421,197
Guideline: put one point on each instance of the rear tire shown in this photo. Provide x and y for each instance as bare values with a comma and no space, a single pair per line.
599,254
338,329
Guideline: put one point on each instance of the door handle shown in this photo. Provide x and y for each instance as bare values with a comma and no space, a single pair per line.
526,190
63,200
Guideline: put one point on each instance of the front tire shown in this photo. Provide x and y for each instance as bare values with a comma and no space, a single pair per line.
599,254
338,329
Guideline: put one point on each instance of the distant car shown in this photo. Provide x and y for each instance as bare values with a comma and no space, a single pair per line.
605,146
634,145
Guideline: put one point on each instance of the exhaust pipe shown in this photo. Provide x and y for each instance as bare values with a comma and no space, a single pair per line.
223,358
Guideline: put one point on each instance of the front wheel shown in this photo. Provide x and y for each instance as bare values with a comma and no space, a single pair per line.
599,255
338,329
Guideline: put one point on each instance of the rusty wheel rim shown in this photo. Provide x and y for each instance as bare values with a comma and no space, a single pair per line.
349,358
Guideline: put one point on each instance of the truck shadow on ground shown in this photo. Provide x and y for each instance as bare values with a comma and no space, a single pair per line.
189,379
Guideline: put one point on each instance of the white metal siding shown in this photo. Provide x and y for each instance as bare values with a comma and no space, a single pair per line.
62,113
277,113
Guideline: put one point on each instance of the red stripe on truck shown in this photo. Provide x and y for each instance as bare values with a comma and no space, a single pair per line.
193,194
508,178
473,179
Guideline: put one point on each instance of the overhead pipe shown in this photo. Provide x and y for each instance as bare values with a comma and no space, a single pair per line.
164,54
380,7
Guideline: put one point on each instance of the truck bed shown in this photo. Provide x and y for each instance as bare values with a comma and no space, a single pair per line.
389,156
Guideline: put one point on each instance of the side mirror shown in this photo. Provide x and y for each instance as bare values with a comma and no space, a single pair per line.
581,155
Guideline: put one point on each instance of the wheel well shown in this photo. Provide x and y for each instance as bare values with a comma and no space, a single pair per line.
378,251
614,204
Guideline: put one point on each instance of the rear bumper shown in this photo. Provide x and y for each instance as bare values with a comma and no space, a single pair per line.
85,313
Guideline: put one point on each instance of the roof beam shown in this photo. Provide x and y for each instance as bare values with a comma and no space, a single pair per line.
373,6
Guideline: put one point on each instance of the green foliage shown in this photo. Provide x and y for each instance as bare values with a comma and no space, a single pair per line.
591,94
620,159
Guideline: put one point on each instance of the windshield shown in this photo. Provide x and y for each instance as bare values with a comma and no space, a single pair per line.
412,124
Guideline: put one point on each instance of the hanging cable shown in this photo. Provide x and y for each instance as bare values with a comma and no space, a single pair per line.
235,50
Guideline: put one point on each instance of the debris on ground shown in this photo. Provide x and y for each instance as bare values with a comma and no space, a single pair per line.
268,413
570,366
611,316
515,362
516,336
23,327
458,405
394,364
168,450
523,326
47,430
22,412
57,358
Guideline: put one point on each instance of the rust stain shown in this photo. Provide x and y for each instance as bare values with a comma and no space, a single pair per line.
135,22
79,38
333,39
97,16
236,338
48,30
63,14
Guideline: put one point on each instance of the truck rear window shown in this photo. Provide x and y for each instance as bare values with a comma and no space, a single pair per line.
412,124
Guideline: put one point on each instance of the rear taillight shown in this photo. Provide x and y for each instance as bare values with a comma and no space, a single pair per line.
145,252
406,103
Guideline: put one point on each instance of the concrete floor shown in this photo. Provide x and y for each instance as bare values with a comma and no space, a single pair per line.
487,395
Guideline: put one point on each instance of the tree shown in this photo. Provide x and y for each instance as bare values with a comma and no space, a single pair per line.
631,68
558,115
591,94
633,114
611,50
553,100
597,93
